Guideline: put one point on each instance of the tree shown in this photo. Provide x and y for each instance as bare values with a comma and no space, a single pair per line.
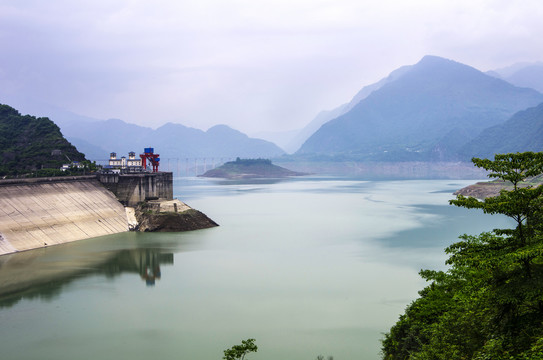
28,144
522,204
489,304
238,352
509,260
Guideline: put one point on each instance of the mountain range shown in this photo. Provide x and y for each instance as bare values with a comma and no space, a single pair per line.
522,74
435,110
425,112
326,115
98,138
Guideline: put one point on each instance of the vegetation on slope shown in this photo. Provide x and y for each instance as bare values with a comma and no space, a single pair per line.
27,144
489,304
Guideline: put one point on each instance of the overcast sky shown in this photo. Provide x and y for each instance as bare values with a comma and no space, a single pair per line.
256,65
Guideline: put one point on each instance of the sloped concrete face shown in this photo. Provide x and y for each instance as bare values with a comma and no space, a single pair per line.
34,215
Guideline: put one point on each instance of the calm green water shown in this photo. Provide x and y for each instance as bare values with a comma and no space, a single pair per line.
308,266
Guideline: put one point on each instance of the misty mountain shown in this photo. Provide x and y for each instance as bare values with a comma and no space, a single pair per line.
326,115
426,113
522,75
522,132
279,138
98,138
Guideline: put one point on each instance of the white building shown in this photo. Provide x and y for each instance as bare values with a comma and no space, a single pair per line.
132,160
123,162
73,164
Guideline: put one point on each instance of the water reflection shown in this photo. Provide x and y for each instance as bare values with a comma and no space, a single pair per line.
43,273
304,266
148,264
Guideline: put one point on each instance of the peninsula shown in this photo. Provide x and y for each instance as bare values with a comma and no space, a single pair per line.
485,189
250,169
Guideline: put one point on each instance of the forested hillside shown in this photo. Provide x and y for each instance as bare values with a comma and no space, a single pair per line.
522,132
27,144
489,304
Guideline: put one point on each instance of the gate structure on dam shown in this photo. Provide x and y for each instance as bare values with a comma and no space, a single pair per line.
133,188
135,180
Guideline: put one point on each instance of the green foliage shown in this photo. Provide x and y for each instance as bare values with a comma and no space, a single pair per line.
489,304
238,352
250,162
27,144
513,167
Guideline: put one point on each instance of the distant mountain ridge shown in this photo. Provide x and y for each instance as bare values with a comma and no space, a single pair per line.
435,110
327,115
522,132
427,113
98,138
523,74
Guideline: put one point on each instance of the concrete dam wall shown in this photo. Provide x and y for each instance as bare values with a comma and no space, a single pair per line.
40,212
130,189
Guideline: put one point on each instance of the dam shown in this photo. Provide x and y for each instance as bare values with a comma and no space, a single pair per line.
133,188
41,212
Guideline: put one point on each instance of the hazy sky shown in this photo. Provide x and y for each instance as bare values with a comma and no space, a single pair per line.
252,64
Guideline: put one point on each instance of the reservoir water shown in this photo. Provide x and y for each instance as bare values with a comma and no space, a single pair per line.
305,266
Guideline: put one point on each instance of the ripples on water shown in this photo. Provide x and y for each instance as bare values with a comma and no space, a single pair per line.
306,266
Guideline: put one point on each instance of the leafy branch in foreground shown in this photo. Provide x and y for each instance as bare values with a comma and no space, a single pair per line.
489,304
238,352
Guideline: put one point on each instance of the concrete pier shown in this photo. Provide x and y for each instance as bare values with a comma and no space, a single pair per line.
41,212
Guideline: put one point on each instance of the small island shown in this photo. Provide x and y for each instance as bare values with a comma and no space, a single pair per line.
250,169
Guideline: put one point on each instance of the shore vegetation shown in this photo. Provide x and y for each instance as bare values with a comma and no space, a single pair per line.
489,303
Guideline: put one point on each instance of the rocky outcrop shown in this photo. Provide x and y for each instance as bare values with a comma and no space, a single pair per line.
170,216
482,190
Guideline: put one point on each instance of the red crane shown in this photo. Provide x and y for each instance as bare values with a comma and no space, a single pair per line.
153,158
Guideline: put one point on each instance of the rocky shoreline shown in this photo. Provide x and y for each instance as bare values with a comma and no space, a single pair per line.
167,216
483,190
